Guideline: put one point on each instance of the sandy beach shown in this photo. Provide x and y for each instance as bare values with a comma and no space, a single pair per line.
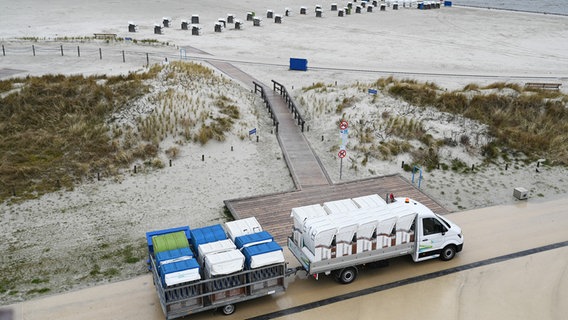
57,239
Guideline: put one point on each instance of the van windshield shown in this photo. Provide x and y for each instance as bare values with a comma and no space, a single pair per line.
444,221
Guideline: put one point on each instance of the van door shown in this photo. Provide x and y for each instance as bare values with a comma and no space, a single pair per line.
431,240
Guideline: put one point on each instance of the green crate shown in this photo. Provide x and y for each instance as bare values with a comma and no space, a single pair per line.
170,241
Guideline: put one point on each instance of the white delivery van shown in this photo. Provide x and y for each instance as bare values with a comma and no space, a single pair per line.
403,227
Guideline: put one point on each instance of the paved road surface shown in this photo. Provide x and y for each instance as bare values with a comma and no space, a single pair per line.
494,277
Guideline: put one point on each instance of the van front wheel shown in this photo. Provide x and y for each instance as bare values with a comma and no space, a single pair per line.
448,253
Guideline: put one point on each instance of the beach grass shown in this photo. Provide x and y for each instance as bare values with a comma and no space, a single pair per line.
531,121
518,120
57,131
54,132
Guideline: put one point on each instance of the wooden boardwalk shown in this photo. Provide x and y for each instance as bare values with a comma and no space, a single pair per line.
233,72
303,164
273,210
312,181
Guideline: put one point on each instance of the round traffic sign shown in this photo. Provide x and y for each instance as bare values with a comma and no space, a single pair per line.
342,153
343,125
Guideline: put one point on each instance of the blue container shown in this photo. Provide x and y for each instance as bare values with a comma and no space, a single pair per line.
150,234
259,249
298,64
421,6
206,235
176,254
251,238
176,267
447,3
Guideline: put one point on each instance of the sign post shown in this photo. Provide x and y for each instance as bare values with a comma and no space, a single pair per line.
342,153
343,143
414,170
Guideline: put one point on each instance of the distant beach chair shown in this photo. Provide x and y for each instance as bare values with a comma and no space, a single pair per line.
157,29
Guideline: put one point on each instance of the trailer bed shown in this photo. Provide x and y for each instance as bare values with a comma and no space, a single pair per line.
188,298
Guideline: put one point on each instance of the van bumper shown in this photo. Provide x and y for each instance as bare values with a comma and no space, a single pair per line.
459,248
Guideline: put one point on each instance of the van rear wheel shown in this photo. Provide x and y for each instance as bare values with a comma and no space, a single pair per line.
448,253
347,275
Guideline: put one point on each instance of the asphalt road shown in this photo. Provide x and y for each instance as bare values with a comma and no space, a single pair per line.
513,266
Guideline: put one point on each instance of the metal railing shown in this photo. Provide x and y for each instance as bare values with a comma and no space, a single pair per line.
280,89
259,88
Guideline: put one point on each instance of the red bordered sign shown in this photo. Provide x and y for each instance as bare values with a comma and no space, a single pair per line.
342,154
343,125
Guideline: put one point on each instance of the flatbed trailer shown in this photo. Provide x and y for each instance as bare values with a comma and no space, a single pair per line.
220,292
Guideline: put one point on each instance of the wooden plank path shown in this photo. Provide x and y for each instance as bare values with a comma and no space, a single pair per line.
312,181
273,210
233,72
302,162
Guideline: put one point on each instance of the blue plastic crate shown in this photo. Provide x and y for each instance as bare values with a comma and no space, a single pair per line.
177,268
242,241
176,254
259,249
206,235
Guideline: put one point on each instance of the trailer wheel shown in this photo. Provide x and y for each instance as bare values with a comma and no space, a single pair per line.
228,309
448,253
347,275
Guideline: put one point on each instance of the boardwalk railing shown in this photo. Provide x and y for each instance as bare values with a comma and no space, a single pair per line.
259,88
290,102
